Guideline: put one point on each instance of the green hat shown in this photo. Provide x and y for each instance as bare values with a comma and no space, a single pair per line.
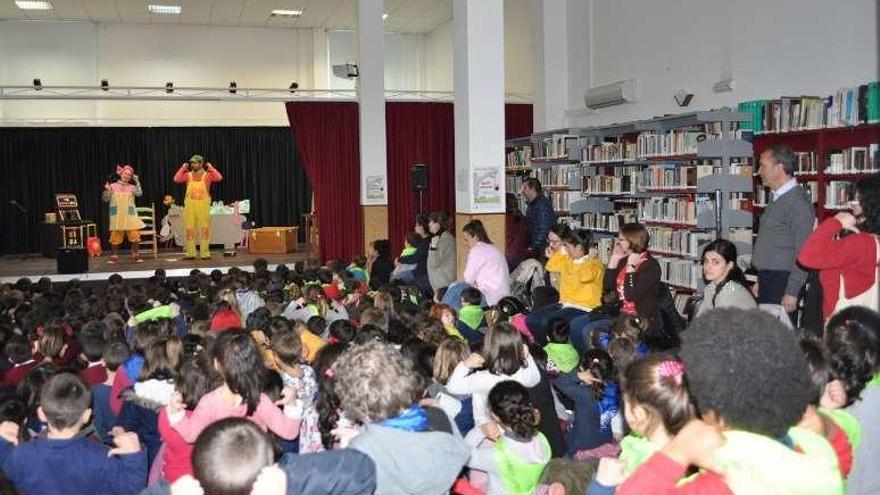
197,158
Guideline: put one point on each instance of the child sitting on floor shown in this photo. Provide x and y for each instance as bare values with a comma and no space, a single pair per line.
471,318
517,459
288,353
562,357
65,462
596,395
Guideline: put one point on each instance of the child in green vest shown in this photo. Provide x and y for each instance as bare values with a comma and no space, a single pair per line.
518,457
562,357
409,248
749,380
471,317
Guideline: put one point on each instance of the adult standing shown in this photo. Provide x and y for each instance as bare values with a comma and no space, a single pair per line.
124,221
516,228
539,214
198,177
785,224
844,249
441,253
486,268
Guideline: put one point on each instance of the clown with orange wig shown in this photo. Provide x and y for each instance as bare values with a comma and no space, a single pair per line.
124,221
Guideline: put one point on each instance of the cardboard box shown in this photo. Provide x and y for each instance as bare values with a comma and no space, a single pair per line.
273,240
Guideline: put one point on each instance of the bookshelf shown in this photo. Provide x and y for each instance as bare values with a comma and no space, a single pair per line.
840,156
675,174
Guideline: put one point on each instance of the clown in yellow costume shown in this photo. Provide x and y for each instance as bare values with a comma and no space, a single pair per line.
198,177
124,221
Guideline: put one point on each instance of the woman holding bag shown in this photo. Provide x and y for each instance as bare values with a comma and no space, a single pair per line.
844,248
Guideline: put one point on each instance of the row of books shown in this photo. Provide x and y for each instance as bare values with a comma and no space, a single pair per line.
669,209
609,151
665,240
620,182
513,183
609,221
554,147
762,194
669,176
839,194
807,162
564,176
855,160
519,158
846,107
683,273
674,142
562,200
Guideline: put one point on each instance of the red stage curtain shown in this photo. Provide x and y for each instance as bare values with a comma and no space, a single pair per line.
418,133
425,133
327,137
518,120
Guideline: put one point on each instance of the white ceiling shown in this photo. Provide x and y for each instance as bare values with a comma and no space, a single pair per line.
407,16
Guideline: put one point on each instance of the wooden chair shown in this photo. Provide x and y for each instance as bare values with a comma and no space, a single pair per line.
149,234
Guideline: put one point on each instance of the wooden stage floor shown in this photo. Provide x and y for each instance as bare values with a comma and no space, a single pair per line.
34,266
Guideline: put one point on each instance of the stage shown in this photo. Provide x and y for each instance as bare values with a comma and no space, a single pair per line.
34,266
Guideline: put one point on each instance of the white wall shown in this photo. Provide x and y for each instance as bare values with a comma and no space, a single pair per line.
404,59
770,48
519,53
72,53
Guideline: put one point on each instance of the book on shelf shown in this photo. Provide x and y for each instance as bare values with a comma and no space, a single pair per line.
839,194
610,222
668,176
611,180
606,244
807,163
520,158
562,200
554,147
675,142
763,194
682,273
848,106
666,240
561,176
609,151
855,160
671,209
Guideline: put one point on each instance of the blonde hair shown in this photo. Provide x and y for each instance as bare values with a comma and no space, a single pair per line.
450,352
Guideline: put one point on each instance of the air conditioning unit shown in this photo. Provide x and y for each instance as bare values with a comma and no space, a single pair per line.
611,94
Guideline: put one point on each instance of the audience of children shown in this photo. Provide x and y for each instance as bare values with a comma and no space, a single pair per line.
120,387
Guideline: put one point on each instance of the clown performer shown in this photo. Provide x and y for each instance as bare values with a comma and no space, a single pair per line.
198,177
124,221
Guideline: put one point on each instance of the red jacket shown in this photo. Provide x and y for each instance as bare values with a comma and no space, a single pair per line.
16,374
660,474
853,257
94,374
178,453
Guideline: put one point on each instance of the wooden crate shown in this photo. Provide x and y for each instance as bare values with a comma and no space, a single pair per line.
273,240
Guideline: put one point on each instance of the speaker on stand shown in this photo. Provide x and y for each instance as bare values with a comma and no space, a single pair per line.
418,178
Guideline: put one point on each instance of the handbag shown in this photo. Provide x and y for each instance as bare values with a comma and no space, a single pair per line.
870,298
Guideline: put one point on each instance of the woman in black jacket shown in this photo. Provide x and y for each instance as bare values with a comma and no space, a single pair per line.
381,264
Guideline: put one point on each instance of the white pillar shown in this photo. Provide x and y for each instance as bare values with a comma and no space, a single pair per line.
551,83
371,99
478,75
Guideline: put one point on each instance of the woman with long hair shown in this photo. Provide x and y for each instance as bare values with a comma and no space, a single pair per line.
725,281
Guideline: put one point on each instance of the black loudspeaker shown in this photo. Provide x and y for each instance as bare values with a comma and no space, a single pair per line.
418,177
72,260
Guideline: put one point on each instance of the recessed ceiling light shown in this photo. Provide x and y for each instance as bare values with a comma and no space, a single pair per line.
164,9
286,13
33,5
384,16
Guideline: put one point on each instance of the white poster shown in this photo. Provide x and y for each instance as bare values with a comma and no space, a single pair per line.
375,188
487,189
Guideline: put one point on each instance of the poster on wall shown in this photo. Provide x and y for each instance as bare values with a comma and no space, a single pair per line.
487,189
375,188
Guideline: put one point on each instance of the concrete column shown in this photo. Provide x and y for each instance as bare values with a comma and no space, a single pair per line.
551,82
478,76
371,99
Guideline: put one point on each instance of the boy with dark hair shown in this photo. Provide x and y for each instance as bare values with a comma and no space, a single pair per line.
471,317
65,462
18,350
115,353
92,353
